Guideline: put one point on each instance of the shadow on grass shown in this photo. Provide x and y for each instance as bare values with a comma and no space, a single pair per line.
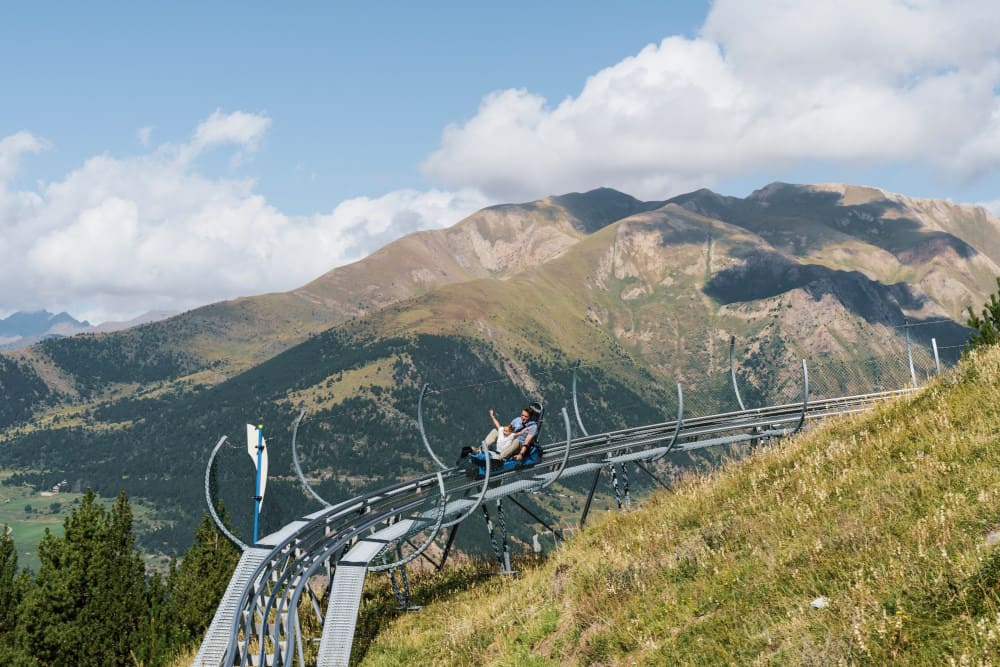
379,605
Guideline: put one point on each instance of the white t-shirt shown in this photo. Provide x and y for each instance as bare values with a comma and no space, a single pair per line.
502,442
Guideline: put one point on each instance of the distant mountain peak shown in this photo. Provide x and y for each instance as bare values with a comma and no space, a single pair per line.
37,323
596,209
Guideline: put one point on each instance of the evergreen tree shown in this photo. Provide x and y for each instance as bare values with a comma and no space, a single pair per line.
119,597
155,646
88,597
196,586
10,596
986,327
12,586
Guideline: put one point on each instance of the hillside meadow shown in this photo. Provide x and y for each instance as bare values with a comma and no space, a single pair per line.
867,540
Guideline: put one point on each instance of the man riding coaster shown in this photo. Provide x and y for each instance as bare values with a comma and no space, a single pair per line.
512,445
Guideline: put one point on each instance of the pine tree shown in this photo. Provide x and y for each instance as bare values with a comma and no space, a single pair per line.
120,596
155,646
10,596
195,587
12,586
88,597
986,327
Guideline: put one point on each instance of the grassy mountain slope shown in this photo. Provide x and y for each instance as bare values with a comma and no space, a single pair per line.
207,345
490,312
948,255
890,516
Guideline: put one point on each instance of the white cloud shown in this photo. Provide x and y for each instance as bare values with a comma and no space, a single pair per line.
220,129
241,128
771,83
991,206
123,235
12,148
768,83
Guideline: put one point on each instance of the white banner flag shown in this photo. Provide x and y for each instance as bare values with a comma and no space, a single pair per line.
252,451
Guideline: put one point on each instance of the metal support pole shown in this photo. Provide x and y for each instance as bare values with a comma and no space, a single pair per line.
400,602
424,555
557,533
590,497
655,478
628,499
614,484
256,496
298,641
937,360
576,406
447,546
407,594
909,352
315,604
493,539
502,520
732,371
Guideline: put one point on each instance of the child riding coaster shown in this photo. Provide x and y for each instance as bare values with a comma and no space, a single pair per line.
512,445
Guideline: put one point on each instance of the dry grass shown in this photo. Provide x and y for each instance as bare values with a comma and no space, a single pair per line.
886,515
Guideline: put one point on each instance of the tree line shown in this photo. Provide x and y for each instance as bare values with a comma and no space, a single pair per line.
93,604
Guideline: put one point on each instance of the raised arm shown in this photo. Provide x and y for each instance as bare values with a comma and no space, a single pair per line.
496,422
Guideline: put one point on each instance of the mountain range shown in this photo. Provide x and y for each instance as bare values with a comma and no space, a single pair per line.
23,329
490,312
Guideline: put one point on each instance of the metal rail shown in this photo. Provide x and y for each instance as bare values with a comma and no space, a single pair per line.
266,613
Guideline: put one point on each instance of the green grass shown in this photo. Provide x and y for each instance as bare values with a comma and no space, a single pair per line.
49,512
890,515
29,527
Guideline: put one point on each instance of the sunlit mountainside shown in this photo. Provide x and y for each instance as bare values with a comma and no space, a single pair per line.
490,311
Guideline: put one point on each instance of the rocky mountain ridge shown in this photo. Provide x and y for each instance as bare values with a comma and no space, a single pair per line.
23,329
502,304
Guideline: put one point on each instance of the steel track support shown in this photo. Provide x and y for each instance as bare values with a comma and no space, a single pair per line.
656,479
590,497
732,371
909,353
447,546
557,533
502,521
493,539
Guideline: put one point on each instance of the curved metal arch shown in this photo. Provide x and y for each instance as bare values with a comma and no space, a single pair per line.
677,428
576,407
420,424
308,564
208,499
288,600
298,468
423,547
292,598
482,493
569,443
277,600
732,371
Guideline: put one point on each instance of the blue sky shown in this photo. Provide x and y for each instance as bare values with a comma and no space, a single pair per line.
358,93
166,157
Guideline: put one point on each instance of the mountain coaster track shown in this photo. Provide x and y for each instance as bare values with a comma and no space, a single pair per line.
257,621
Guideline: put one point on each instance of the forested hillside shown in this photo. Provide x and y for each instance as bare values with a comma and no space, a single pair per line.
92,602
493,312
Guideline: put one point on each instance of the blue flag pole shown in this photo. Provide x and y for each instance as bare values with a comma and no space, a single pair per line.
256,495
